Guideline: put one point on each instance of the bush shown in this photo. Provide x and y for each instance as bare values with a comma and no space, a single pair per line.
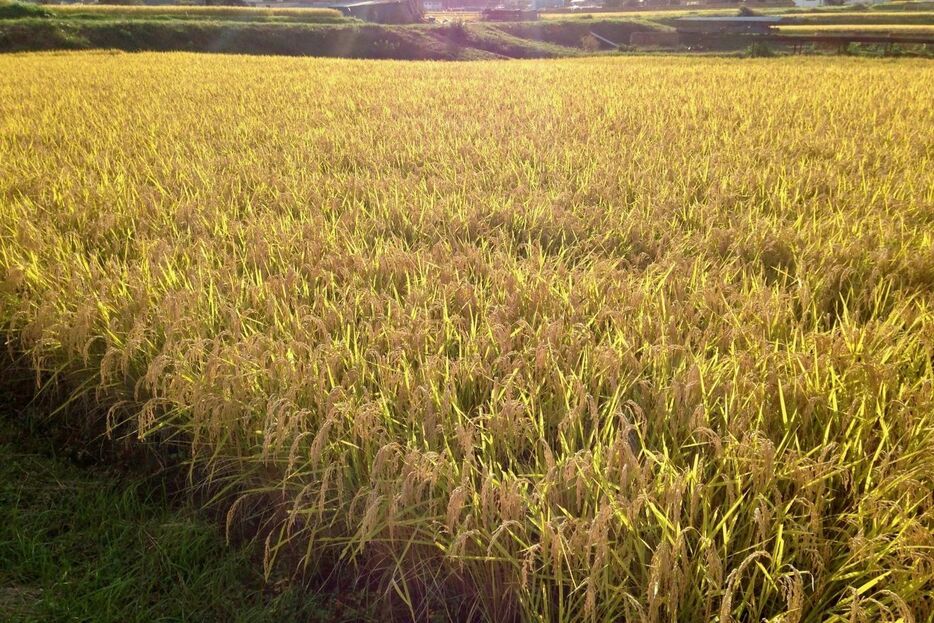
385,48
759,50
589,43
456,31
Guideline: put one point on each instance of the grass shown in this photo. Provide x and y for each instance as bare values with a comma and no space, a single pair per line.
87,544
596,339
20,10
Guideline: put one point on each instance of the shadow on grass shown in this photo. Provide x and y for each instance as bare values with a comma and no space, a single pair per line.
81,543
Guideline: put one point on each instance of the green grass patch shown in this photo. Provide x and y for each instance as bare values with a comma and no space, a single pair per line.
18,10
87,544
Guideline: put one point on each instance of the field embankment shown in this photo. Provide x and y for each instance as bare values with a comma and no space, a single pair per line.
611,338
293,32
571,33
344,40
318,32
352,40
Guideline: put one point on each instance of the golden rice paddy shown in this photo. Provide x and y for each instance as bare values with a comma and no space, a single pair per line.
609,339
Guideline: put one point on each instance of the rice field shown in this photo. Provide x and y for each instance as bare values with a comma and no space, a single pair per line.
641,339
862,15
193,11
635,14
454,16
817,16
897,28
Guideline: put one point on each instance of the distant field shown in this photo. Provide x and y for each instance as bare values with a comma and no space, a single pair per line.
675,13
871,14
906,28
609,339
195,12
635,14
454,16
824,16
863,17
896,8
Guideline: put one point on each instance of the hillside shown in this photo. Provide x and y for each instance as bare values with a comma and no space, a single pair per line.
316,32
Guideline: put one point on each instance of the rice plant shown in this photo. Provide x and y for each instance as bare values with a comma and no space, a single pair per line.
609,339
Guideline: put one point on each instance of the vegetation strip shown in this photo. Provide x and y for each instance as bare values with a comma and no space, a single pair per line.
324,32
